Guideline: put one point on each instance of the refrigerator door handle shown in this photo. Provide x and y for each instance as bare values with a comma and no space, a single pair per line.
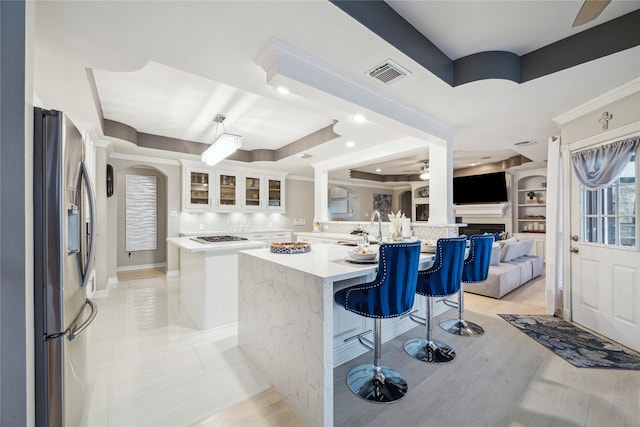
75,330
84,177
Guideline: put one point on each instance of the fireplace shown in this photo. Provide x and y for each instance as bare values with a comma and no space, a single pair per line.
481,228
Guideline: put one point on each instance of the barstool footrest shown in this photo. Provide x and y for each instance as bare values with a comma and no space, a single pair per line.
383,385
450,303
418,319
429,351
461,327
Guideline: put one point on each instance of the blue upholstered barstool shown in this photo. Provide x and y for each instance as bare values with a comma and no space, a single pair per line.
476,269
441,280
391,294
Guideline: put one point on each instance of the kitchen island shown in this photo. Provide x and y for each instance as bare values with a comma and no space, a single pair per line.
290,327
209,279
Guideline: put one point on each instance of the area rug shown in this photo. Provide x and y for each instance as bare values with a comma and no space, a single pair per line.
577,346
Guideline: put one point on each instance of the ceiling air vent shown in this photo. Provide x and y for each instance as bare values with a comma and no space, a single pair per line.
388,72
525,143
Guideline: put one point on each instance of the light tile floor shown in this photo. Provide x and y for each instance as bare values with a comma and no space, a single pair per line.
148,365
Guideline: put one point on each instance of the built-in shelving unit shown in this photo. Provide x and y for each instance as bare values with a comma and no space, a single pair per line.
531,199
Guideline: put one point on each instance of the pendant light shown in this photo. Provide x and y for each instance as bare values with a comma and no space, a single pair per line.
424,172
224,145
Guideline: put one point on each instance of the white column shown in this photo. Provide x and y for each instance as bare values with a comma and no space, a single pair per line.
441,184
321,195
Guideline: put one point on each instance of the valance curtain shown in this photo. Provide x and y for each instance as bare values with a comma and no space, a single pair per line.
600,166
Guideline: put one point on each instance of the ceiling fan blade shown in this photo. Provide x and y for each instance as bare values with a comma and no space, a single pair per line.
589,11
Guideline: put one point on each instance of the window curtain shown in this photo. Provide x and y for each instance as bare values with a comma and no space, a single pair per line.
554,235
600,166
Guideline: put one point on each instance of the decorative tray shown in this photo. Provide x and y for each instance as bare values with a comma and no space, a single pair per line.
290,247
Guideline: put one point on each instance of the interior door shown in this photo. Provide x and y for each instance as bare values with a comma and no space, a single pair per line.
605,258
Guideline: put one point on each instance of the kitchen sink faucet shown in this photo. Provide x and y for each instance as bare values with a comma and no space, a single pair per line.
373,214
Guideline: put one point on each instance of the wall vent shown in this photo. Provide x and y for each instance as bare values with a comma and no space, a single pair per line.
388,72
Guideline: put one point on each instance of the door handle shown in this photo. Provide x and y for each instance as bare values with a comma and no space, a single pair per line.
75,330
574,250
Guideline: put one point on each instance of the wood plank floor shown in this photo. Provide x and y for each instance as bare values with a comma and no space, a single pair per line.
502,378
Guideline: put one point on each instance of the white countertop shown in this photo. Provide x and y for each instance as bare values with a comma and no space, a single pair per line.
190,245
321,261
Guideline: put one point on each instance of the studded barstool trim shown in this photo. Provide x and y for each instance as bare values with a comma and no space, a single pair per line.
375,284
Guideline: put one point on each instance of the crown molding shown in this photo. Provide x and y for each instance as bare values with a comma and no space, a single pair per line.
599,102
144,159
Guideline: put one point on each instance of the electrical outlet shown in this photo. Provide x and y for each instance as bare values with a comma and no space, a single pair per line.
173,213
201,226
300,221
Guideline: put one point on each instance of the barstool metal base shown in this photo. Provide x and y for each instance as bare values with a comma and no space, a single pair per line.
461,327
429,351
382,385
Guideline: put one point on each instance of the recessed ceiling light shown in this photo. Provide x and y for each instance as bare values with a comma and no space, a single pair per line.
378,170
350,144
282,90
472,164
359,118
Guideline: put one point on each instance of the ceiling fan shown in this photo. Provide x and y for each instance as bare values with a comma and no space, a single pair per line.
589,11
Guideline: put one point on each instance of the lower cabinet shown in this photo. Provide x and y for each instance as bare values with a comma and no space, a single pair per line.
270,237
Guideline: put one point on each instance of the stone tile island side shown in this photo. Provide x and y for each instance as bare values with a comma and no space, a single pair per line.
289,326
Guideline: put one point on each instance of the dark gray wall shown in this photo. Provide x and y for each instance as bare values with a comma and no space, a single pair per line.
14,354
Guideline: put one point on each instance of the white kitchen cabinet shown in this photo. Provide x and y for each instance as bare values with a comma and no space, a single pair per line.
197,188
274,193
269,236
228,193
253,192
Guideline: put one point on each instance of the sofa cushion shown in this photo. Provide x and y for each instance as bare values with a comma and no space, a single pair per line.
513,250
495,254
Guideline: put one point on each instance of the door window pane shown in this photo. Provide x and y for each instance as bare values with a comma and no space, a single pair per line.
609,214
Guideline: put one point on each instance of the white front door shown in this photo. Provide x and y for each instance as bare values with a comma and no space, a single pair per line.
605,258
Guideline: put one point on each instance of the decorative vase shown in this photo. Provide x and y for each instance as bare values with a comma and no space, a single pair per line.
396,236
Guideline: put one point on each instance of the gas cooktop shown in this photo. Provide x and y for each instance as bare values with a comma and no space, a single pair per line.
216,239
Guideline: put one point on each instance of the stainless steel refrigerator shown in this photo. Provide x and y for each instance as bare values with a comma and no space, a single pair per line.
63,266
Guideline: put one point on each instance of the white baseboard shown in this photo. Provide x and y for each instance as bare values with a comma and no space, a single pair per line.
173,273
141,266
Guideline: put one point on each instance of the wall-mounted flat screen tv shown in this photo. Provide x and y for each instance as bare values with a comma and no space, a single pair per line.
486,188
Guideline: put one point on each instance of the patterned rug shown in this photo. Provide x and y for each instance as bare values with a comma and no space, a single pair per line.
577,346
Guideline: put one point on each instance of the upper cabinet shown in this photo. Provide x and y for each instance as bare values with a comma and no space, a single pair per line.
197,189
231,189
253,192
227,190
275,193
532,206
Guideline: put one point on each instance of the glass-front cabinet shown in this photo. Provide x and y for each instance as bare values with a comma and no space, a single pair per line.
275,194
197,196
253,195
227,190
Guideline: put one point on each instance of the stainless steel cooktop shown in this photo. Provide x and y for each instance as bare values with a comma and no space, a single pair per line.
216,239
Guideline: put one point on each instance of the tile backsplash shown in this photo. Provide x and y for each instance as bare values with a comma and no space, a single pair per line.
236,221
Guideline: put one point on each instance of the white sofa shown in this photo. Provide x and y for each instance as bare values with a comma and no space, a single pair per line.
511,267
